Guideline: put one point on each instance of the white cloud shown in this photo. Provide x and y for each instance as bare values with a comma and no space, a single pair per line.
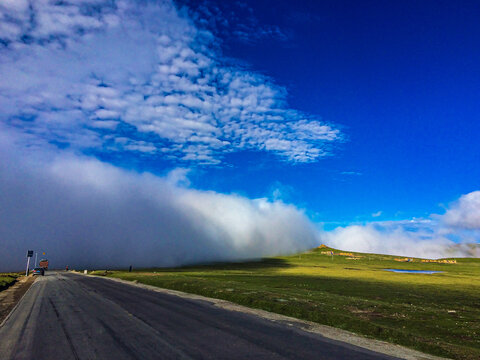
82,72
465,213
392,238
86,213
377,214
178,177
453,234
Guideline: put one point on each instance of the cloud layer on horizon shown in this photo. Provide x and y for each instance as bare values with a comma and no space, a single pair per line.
402,238
449,235
86,213
141,77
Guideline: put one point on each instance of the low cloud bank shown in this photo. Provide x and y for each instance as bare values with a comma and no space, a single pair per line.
388,239
85,213
453,234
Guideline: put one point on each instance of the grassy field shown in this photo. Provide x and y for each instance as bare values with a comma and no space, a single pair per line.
437,313
7,279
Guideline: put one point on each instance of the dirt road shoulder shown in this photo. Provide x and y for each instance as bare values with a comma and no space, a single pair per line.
10,297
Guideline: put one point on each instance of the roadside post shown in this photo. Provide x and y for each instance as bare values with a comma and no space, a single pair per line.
29,255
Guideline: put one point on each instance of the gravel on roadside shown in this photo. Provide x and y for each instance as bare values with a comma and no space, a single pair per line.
11,296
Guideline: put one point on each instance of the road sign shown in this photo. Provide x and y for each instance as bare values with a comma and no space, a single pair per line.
29,255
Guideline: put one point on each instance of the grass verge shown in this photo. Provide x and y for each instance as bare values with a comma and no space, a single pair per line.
7,280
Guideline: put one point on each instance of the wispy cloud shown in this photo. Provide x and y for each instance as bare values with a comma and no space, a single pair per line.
351,173
142,78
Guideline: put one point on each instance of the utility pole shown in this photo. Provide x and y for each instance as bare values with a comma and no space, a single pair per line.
29,255
36,253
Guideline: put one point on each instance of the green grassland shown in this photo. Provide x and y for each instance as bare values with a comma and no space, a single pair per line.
437,313
7,279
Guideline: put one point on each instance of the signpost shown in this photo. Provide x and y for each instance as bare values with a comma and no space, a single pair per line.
29,255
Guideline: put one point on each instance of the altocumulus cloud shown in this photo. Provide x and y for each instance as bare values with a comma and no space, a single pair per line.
87,213
141,77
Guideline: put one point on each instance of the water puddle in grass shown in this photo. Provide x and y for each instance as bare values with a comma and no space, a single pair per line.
413,271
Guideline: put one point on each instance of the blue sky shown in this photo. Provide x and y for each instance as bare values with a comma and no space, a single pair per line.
400,79
359,119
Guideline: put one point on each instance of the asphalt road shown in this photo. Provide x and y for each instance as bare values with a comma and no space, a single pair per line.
68,316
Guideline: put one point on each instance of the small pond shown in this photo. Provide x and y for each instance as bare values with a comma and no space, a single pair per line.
413,271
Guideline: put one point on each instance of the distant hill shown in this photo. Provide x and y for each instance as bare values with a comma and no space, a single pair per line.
469,250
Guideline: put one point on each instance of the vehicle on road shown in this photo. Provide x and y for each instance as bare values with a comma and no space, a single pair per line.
38,271
43,264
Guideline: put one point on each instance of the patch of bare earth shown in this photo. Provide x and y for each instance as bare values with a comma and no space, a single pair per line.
366,314
11,296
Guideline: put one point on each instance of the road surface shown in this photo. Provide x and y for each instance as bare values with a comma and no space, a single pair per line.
69,316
